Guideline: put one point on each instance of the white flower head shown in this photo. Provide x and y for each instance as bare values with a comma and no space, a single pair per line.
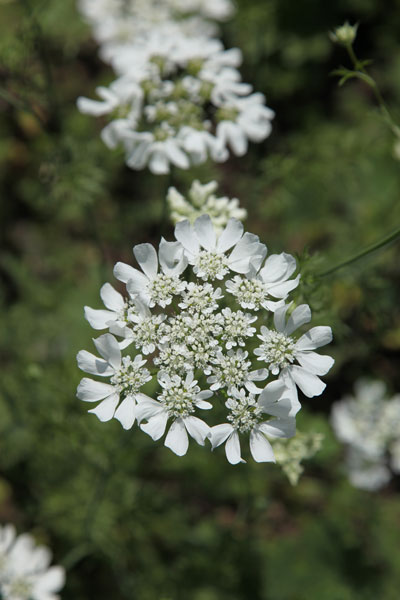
247,416
281,351
178,401
25,571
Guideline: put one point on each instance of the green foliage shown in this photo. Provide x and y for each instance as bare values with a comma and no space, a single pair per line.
128,518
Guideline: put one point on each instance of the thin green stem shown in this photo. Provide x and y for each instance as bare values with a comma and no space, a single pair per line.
368,250
358,66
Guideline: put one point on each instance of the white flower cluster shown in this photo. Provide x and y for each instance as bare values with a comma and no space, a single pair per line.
369,424
219,339
203,201
25,572
178,98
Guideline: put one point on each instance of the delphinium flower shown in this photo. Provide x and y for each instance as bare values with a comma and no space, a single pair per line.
203,200
181,350
25,571
118,23
179,101
369,424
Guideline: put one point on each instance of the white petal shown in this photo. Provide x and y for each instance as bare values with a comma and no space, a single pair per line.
50,581
159,163
203,405
92,391
205,232
282,428
315,338
90,363
124,272
260,447
156,425
105,410
309,384
147,407
300,315
319,364
281,290
125,412
99,319
280,317
219,433
109,349
232,449
176,155
177,438
112,299
230,235
278,267
197,429
146,256
185,235
137,284
172,258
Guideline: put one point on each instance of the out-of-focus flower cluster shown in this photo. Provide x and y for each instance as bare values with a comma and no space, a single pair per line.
207,323
369,424
290,453
25,571
203,201
178,98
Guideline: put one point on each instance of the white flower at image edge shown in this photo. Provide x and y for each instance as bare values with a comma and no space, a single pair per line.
275,400
279,350
25,571
178,400
206,252
127,377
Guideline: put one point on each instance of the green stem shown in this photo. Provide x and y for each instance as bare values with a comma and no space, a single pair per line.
371,248
20,105
374,86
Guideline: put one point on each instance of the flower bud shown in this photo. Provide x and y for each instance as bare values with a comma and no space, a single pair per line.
345,34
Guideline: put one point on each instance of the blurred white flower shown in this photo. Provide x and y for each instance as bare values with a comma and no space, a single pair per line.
369,424
25,571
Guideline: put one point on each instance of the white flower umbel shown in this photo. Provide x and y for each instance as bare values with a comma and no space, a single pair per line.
25,571
178,401
247,416
369,424
199,341
280,350
127,378
178,100
203,201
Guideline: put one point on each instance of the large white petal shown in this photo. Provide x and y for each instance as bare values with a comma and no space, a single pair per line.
205,232
185,235
50,581
156,425
124,272
109,349
282,428
172,258
90,363
309,384
219,433
159,163
230,235
112,299
319,364
146,256
137,284
197,429
177,438
300,315
232,449
282,289
260,447
278,267
105,410
315,338
280,317
176,155
92,391
125,412
99,319
147,407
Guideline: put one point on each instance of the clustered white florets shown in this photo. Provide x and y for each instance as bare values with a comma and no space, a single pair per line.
369,424
25,571
206,348
178,97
